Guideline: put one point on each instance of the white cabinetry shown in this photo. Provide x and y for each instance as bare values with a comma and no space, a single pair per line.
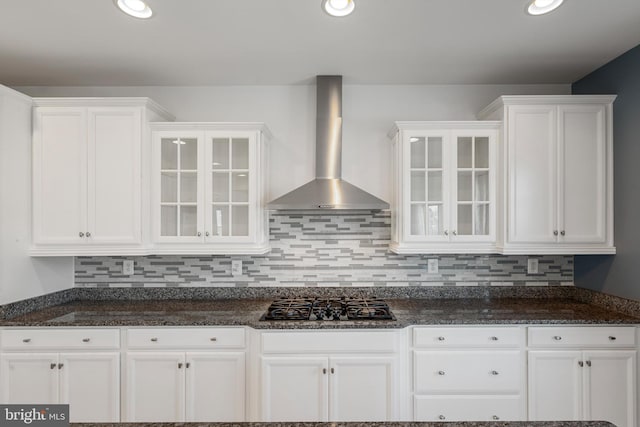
33,370
87,171
445,187
329,376
557,162
208,188
583,373
194,386
469,374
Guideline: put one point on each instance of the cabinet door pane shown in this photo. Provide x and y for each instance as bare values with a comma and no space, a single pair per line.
189,187
169,220
240,187
482,152
240,221
240,153
482,186
464,220
220,153
435,152
417,152
188,154
188,220
417,186
169,187
481,226
464,186
435,219
169,154
220,220
220,187
465,152
435,186
418,220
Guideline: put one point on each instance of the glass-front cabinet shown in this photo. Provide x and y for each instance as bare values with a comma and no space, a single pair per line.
445,187
209,188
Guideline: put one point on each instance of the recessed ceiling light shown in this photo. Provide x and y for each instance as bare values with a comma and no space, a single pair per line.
135,8
338,7
540,7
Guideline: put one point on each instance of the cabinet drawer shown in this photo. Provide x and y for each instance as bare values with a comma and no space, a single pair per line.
443,372
467,337
469,408
186,338
582,336
325,342
43,339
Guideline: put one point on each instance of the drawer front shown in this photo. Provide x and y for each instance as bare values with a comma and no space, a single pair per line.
582,336
445,372
186,338
469,408
325,342
44,339
467,337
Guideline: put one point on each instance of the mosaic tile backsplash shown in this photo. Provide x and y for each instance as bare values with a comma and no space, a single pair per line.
325,249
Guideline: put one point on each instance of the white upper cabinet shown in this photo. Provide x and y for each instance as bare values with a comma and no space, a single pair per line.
87,169
557,168
445,187
208,188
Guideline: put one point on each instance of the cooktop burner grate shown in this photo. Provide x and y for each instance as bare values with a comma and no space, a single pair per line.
328,309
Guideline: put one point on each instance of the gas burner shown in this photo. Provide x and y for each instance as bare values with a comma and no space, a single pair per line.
328,309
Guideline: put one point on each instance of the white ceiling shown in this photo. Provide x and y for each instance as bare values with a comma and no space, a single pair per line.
246,42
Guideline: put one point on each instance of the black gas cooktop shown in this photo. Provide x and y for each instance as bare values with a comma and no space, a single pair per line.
328,309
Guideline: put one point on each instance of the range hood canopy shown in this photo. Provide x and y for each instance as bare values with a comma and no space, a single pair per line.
328,190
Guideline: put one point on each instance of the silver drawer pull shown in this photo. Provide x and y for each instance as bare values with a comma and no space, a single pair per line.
440,338
494,373
612,338
324,371
557,337
493,338
86,339
26,340
442,417
441,372
213,339
495,417
53,365
154,339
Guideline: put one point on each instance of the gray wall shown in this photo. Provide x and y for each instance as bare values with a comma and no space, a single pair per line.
618,275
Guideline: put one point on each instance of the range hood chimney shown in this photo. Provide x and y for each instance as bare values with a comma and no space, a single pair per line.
328,190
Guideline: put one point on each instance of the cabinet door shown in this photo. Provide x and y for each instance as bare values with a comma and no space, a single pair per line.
610,387
59,175
295,389
532,180
362,389
230,186
473,186
155,387
555,385
29,378
582,169
90,384
215,387
426,186
114,173
178,192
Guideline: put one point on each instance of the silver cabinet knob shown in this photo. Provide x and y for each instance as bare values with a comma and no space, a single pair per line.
86,339
562,233
455,233
612,338
60,365
446,232
440,338
332,370
441,372
581,363
495,417
53,366
214,339
555,232
81,234
324,371
442,417
493,338
154,339
88,234
187,365
588,362
26,340
207,234
199,234
557,338
179,365
494,373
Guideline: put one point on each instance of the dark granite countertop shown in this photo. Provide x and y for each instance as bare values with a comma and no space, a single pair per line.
369,424
246,312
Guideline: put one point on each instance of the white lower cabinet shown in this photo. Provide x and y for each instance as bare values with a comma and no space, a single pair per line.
328,386
88,381
469,374
583,384
179,386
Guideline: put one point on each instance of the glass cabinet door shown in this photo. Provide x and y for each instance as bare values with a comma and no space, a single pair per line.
178,187
427,194
230,178
473,186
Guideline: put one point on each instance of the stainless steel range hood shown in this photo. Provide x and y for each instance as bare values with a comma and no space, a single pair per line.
328,190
